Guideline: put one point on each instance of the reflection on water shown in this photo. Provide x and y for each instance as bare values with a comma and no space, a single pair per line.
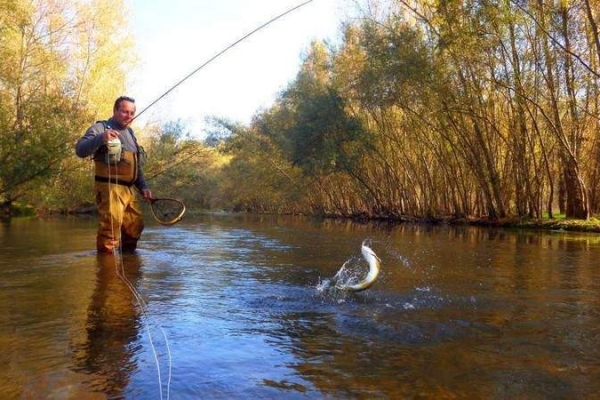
112,325
457,312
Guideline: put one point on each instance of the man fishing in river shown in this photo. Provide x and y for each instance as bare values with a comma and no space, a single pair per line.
117,169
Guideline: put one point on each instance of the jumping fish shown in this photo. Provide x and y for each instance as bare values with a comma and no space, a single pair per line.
371,258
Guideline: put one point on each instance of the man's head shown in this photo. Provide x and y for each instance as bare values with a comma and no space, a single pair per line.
124,110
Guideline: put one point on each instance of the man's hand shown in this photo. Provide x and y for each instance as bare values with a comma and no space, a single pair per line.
147,193
109,134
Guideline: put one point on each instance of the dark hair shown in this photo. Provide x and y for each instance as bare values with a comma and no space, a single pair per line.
121,99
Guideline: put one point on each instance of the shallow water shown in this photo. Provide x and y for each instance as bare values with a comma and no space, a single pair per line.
228,307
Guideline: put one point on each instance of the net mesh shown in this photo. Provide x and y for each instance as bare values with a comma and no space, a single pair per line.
167,211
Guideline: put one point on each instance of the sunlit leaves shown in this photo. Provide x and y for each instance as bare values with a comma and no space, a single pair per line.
59,58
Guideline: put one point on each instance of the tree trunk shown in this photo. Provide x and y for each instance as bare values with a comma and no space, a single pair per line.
576,192
5,210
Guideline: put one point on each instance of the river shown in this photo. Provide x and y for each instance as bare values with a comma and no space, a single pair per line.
229,306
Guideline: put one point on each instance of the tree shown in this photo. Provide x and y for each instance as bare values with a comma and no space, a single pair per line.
45,94
180,166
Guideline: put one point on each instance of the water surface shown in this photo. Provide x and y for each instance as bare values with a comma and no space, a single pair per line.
228,307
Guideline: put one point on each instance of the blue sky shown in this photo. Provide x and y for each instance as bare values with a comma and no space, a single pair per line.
175,37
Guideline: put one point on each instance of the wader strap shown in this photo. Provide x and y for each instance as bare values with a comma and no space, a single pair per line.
112,180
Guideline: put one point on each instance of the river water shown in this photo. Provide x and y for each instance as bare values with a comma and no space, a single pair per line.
225,306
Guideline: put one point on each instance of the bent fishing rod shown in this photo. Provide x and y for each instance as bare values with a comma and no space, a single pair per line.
220,54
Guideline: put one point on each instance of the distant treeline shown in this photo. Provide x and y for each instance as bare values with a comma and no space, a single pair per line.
428,109
454,108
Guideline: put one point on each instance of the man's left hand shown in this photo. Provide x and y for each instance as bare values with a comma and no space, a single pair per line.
147,193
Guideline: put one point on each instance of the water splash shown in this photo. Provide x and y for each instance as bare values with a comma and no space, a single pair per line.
348,274
351,276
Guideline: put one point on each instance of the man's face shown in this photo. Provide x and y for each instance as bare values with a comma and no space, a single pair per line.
125,113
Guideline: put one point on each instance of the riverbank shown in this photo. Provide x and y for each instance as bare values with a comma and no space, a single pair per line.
556,224
591,225
560,223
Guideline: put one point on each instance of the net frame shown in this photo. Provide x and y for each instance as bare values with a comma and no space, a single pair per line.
167,211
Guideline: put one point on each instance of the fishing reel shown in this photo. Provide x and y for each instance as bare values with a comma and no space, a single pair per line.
114,149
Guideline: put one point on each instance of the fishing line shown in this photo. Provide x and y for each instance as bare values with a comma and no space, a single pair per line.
120,271
118,257
143,307
189,156
213,58
221,53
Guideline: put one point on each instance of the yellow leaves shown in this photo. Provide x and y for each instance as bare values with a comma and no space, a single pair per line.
316,63
59,59
15,12
82,46
103,53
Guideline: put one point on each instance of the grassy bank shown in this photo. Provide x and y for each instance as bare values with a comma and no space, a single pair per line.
556,224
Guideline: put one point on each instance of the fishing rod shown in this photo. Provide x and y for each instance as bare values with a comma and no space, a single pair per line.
220,54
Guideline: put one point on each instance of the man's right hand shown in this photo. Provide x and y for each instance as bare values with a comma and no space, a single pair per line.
109,134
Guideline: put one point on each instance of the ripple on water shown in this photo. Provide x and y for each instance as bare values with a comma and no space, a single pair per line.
451,315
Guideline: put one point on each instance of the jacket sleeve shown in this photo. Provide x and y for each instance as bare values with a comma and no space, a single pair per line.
90,142
140,183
